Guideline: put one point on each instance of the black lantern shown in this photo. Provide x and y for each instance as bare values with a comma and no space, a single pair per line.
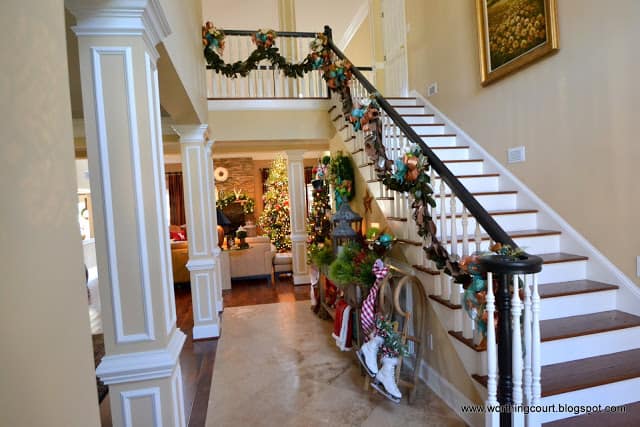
346,226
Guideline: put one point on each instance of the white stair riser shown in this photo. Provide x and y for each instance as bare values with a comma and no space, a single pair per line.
474,185
491,202
410,110
428,130
452,154
414,120
507,222
375,188
575,305
533,245
413,254
617,393
398,229
429,282
563,271
368,172
589,345
395,102
465,168
439,141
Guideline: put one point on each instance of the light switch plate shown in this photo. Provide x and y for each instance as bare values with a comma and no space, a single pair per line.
432,89
516,155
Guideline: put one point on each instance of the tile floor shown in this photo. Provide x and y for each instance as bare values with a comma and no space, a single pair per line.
276,365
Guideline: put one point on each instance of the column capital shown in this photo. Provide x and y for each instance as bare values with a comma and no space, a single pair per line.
191,133
144,18
293,155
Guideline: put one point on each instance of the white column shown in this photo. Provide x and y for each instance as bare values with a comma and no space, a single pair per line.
124,147
196,176
297,213
222,276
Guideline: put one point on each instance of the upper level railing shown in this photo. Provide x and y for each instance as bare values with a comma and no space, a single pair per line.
267,81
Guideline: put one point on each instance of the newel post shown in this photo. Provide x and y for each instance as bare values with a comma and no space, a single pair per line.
506,274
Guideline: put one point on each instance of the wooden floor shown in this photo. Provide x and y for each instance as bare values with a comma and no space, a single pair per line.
198,357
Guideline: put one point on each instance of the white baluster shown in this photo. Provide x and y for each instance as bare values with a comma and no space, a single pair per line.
446,286
454,232
443,213
527,339
465,231
535,353
478,236
516,355
492,418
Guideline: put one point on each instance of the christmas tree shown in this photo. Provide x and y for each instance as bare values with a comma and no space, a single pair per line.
319,223
274,219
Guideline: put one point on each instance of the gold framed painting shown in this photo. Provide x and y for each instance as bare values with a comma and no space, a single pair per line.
513,34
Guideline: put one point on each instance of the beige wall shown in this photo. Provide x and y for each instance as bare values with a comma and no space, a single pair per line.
184,49
269,125
241,14
359,49
575,112
46,375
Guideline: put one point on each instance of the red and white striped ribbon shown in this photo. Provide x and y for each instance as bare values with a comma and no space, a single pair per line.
368,311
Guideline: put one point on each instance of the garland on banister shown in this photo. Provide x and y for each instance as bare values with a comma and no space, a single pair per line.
409,175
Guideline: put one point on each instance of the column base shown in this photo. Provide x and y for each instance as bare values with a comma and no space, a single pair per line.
301,279
201,332
219,306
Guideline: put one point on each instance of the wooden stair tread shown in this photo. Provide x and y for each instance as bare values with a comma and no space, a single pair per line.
481,193
478,175
585,373
556,257
396,218
468,342
413,115
514,234
426,124
504,212
574,287
445,302
438,136
586,324
630,417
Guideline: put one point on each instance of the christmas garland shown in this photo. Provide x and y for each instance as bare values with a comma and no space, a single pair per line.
213,40
248,204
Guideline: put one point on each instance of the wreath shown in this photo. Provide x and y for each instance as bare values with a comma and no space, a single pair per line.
248,204
221,174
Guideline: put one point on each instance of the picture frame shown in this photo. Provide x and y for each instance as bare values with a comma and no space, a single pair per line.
513,34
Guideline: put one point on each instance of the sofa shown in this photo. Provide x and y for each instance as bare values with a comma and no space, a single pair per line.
254,262
179,259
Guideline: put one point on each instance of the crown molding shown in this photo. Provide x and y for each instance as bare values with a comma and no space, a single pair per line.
191,133
145,18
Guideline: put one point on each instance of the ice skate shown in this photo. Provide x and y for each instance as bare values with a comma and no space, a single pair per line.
385,381
368,355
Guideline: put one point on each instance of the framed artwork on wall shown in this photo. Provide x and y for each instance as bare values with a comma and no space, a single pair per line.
513,34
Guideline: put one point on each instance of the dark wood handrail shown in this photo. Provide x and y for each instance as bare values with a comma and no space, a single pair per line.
300,34
481,215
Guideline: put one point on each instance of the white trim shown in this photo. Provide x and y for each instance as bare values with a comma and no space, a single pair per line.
191,133
606,270
267,155
142,18
101,127
157,153
144,365
267,104
449,394
379,65
206,331
178,398
166,126
202,283
199,264
201,240
143,242
127,396
354,26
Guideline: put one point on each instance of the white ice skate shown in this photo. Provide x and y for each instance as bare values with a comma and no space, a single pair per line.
385,382
368,355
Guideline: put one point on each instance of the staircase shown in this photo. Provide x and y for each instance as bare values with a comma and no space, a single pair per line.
590,345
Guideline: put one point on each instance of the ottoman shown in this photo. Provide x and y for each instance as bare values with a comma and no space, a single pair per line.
282,263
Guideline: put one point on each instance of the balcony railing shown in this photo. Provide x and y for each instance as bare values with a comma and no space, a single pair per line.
267,81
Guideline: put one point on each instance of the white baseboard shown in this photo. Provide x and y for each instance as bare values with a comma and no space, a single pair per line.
206,331
448,393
